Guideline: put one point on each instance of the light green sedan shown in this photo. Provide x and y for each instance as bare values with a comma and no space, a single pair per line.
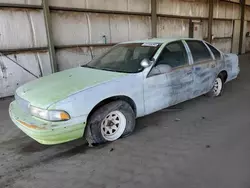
101,100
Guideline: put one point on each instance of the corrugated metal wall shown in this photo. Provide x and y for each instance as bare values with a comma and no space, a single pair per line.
224,13
90,28
79,26
94,28
20,29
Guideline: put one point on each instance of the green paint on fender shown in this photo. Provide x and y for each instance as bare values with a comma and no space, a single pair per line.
48,135
50,89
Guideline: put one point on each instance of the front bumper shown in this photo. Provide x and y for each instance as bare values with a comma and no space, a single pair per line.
44,132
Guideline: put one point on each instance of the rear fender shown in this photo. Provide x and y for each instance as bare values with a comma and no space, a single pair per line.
232,65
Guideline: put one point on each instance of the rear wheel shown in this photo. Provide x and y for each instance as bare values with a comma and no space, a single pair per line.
110,122
217,87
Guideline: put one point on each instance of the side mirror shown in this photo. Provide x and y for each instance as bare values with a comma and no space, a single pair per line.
145,63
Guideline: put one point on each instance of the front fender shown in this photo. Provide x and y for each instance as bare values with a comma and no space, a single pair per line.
82,103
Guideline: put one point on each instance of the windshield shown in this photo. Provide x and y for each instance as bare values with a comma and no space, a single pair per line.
125,57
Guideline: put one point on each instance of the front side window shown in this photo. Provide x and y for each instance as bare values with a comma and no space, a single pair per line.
216,53
199,51
125,57
173,55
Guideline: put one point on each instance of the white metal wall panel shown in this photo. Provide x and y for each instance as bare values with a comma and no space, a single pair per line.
205,29
12,76
30,2
171,27
236,37
125,28
99,27
235,1
139,6
247,13
98,51
248,44
120,5
222,28
139,27
243,48
223,44
117,5
226,10
119,28
70,28
248,38
83,28
69,58
67,3
22,29
198,8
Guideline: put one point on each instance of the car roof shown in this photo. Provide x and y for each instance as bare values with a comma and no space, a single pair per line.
159,40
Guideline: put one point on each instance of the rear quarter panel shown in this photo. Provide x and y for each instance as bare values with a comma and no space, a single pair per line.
232,66
230,63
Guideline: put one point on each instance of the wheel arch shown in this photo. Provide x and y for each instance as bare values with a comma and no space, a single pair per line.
112,99
224,75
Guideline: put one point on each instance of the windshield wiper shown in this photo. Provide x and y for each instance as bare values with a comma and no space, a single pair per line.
104,69
112,70
85,65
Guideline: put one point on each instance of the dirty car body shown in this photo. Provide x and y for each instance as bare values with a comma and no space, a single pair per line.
56,109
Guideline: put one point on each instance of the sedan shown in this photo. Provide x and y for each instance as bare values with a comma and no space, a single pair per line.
101,100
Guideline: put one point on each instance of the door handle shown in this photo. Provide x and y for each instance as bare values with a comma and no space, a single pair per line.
213,65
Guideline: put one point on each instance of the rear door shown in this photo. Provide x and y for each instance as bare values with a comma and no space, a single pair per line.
204,67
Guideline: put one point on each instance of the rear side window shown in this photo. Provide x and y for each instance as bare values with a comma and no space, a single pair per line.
216,53
199,51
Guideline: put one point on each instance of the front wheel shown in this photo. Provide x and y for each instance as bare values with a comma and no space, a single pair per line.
110,122
217,87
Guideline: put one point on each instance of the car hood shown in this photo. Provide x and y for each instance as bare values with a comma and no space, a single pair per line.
48,90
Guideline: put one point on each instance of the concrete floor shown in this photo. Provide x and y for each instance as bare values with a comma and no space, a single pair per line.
208,148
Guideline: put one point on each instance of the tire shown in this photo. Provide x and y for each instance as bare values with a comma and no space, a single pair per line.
103,124
218,87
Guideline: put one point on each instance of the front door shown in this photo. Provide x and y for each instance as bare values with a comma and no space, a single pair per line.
170,80
204,67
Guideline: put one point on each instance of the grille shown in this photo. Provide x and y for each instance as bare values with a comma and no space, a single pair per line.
23,104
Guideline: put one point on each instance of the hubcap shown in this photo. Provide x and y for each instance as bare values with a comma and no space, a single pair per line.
217,86
113,126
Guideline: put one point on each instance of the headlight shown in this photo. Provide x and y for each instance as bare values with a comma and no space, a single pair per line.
49,115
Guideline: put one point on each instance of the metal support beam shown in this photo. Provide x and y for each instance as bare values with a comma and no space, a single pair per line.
191,29
69,9
23,50
84,45
193,17
243,8
11,5
232,2
154,18
48,25
210,21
